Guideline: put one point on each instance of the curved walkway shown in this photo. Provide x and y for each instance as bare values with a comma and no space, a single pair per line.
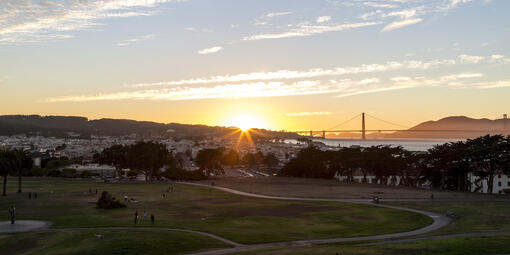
439,222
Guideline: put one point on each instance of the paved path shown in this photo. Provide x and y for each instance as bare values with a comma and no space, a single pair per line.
22,226
416,239
439,222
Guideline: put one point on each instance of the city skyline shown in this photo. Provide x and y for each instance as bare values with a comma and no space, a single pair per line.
278,65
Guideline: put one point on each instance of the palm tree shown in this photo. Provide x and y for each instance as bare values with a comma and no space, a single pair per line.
6,165
21,161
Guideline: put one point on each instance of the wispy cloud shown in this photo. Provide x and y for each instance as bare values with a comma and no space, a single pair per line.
210,50
32,21
339,88
308,30
276,14
243,90
136,40
304,74
401,24
306,114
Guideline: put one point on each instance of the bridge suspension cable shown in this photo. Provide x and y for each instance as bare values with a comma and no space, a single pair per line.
387,122
345,122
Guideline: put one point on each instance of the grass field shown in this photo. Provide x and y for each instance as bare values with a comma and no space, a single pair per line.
470,216
451,246
322,188
241,219
84,242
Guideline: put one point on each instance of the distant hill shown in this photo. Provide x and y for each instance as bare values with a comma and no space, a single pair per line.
72,126
460,127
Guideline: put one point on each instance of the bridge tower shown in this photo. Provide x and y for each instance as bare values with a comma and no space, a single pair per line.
363,135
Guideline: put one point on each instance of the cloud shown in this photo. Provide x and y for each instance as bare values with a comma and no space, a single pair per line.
136,40
339,88
303,74
323,19
492,85
226,91
34,21
379,5
400,24
276,14
210,50
306,114
471,59
308,30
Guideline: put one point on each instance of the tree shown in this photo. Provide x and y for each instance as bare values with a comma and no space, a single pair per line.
231,158
21,162
209,161
115,155
148,157
490,155
7,159
270,160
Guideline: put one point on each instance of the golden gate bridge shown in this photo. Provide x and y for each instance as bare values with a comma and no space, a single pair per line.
363,131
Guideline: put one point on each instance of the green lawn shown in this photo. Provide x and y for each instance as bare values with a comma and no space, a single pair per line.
241,219
470,216
451,246
84,242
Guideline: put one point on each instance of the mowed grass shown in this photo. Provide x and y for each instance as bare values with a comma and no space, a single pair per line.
450,246
85,242
470,216
241,219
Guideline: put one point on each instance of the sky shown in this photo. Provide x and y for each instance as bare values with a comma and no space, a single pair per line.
282,65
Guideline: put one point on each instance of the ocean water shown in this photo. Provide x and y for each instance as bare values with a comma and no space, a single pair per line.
408,144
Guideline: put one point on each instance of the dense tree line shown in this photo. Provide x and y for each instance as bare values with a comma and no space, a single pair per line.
446,166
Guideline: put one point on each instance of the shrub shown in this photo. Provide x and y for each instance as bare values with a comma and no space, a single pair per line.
178,174
107,201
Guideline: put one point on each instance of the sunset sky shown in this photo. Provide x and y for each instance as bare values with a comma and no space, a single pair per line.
279,64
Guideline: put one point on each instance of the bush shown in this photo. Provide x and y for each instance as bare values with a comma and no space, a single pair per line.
107,201
178,174
68,172
54,173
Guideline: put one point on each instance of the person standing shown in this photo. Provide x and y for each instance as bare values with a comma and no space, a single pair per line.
136,216
144,215
152,219
29,195
35,195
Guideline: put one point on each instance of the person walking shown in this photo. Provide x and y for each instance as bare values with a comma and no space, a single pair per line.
144,215
35,195
29,195
136,216
12,212
152,219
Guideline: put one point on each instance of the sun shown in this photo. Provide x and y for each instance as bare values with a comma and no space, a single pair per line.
245,122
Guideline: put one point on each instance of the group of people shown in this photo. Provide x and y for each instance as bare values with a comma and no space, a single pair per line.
144,217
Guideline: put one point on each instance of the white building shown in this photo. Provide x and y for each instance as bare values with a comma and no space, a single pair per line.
500,184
